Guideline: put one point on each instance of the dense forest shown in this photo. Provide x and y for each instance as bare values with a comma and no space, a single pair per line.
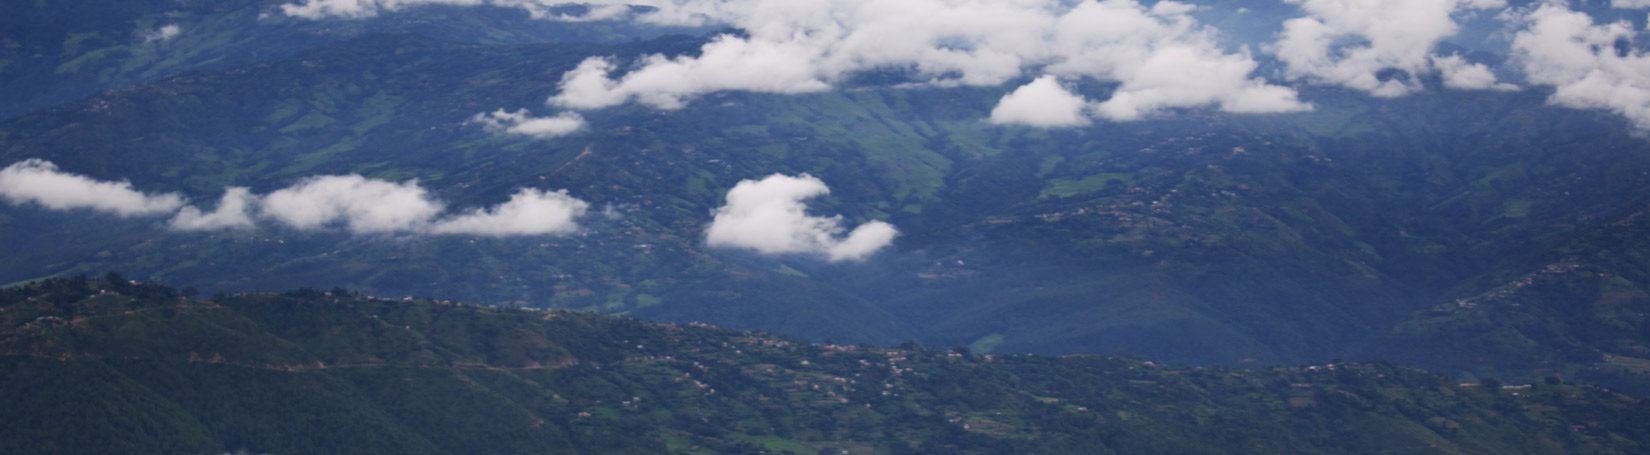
112,366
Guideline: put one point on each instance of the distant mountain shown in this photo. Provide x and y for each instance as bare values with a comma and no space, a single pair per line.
116,367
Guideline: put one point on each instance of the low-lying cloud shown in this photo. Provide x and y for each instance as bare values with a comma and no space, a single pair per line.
768,216
163,33
1159,55
316,9
1388,35
233,212
360,204
351,202
529,212
40,182
520,122
539,9
1583,60
1043,103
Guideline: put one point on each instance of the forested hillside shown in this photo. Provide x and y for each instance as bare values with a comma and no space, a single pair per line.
94,366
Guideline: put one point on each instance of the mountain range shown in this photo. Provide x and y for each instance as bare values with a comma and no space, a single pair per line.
1483,233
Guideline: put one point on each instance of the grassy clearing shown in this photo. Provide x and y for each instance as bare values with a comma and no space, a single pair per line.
1515,208
787,270
647,300
1336,122
616,298
1631,364
986,344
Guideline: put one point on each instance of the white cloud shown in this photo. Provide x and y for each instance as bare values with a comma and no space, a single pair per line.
39,181
864,240
1565,49
1630,4
726,63
1385,35
768,216
317,9
362,205
1042,103
1161,57
1159,54
539,9
1459,74
232,213
359,204
528,212
163,33
365,205
519,122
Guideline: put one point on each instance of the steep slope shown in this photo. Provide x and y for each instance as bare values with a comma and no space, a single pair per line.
140,369
1576,310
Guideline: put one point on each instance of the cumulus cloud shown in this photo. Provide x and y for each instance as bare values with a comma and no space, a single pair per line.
864,240
362,205
353,202
1356,42
768,216
1042,103
1157,55
163,33
1460,74
528,212
539,9
1161,57
39,181
1581,59
233,212
726,63
519,122
317,9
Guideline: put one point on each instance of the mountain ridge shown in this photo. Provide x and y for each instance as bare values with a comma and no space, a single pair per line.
148,368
